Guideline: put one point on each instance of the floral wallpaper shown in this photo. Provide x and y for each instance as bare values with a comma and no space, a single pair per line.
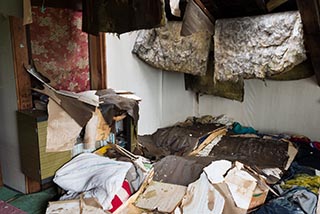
60,48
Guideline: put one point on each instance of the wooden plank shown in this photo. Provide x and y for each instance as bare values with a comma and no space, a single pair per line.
208,140
20,55
273,4
32,185
310,15
97,61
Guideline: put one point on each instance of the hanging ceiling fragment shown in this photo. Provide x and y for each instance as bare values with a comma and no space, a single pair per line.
207,85
258,47
165,49
121,16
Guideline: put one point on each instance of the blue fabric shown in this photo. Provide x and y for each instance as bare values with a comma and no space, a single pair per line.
239,129
297,200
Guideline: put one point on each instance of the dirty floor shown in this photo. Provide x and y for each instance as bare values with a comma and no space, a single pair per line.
35,203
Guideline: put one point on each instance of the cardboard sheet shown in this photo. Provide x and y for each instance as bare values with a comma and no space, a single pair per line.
202,197
62,131
161,196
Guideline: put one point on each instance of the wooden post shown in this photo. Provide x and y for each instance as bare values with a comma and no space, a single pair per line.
97,61
20,56
23,82
310,15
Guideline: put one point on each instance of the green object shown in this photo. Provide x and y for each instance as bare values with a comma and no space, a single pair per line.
206,85
239,129
312,183
301,71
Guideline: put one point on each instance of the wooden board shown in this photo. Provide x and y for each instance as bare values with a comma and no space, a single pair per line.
208,140
161,196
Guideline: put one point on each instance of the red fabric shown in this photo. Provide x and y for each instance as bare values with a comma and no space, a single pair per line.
60,48
118,200
316,145
300,140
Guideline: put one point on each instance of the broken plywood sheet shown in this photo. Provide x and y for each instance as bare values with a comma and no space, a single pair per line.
165,49
180,139
62,131
72,207
258,47
162,197
202,197
180,170
263,153
242,187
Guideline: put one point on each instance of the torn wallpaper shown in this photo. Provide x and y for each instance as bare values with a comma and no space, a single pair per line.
258,47
60,48
165,49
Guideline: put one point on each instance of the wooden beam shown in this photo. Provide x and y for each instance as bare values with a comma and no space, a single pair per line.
97,61
23,82
273,4
32,185
20,56
310,15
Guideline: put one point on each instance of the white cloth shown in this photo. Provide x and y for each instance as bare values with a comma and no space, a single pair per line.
97,176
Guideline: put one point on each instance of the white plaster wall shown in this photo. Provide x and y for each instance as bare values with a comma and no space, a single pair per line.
164,100
9,146
271,106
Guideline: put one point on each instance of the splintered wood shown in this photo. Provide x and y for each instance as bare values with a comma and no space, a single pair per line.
162,197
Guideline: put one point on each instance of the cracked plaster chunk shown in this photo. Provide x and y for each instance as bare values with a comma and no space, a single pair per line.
165,49
258,47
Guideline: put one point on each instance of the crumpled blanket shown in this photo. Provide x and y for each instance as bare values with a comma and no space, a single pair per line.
259,46
96,176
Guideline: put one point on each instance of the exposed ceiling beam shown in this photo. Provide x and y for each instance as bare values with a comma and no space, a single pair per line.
310,14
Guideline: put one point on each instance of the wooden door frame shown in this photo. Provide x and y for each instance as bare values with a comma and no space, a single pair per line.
98,61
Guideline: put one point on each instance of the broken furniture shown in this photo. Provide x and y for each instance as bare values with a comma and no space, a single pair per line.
94,111
36,163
